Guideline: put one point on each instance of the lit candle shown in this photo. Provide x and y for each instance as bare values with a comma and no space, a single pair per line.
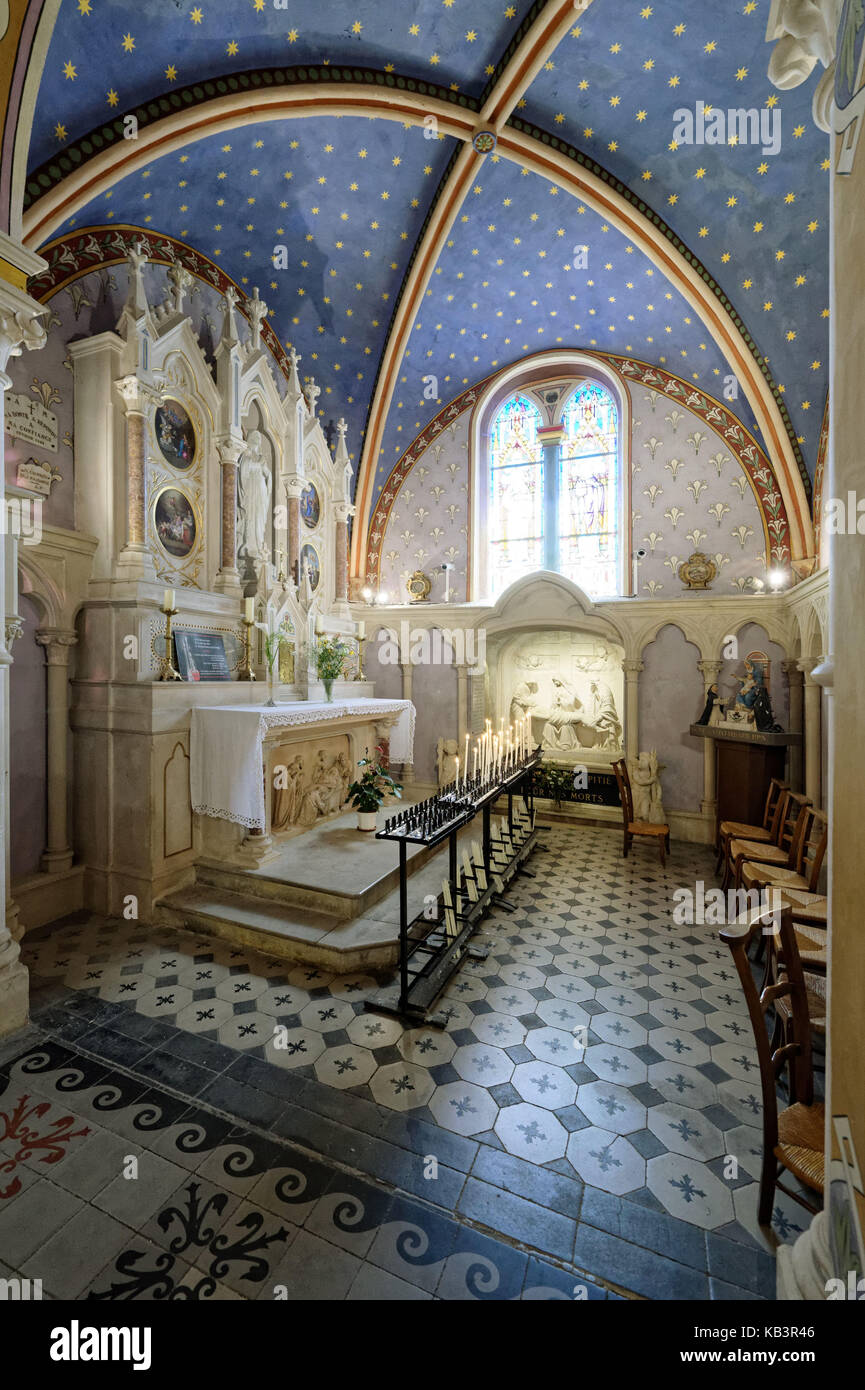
475,764
249,609
168,600
466,763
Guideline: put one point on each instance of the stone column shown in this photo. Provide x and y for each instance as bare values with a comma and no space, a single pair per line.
462,708
632,667
13,630
20,328
228,578
135,558
812,733
293,489
407,673
56,642
341,553
710,671
794,686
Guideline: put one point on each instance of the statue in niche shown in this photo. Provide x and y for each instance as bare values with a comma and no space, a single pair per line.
560,732
328,789
523,700
253,494
287,797
646,789
604,715
446,761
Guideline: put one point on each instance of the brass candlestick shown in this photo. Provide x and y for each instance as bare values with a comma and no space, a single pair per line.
246,672
167,670
360,676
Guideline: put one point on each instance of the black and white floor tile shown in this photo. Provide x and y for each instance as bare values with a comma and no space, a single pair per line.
595,1078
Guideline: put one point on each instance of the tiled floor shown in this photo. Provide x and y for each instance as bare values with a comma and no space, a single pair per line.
572,1127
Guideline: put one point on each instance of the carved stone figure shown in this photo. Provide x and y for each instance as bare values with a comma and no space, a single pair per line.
560,732
327,791
523,700
446,761
604,715
646,789
287,796
253,494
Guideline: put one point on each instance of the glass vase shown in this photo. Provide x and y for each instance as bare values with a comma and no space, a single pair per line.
327,682
272,683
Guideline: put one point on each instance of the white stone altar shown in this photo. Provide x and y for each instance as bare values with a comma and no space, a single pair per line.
281,770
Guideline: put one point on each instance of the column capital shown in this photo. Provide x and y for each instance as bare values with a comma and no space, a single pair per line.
56,642
229,450
14,629
807,665
792,670
136,394
710,669
342,511
294,484
632,666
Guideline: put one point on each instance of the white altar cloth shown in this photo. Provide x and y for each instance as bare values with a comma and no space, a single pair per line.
226,756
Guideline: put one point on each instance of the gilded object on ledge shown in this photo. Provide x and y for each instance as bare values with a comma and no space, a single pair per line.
698,571
419,586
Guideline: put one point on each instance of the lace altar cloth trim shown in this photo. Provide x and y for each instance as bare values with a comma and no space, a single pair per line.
226,755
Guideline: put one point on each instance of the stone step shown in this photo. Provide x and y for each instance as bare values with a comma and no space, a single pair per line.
278,929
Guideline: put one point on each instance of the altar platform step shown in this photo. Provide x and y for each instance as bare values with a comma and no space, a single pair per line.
280,929
333,868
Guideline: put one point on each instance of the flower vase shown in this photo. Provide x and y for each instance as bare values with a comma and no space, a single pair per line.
327,682
272,679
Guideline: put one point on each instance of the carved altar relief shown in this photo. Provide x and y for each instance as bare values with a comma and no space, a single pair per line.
572,686
309,781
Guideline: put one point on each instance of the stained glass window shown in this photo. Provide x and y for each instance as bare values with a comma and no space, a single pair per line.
579,495
588,492
516,494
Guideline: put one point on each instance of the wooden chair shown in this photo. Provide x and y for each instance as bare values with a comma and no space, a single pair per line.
793,826
792,1137
632,827
766,833
803,874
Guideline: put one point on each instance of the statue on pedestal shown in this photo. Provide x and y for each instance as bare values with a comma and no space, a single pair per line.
446,761
254,485
646,789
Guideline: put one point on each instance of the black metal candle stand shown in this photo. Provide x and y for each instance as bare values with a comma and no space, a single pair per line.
433,943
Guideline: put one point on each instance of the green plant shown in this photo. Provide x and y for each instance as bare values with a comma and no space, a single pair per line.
330,655
554,781
374,785
272,643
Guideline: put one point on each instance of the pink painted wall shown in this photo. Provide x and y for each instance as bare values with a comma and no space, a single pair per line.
671,699
27,745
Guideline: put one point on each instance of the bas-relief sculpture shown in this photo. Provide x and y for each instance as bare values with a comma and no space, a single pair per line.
299,803
571,685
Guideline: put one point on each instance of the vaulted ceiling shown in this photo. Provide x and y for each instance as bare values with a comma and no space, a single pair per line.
343,132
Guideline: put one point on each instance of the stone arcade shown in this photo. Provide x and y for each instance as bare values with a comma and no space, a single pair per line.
509,353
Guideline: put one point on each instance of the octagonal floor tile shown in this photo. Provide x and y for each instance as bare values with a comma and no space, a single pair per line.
464,1108
545,1085
203,1015
483,1064
345,1066
738,1060
745,1144
428,1047
570,987
685,1131
554,1045
677,1045
563,1014
294,1047
611,1107
247,1030
161,1003
327,1015
402,1086
619,1029
499,1029
689,1191
606,1160
682,1084
675,1013
508,999
280,1000
523,976
352,987
743,1099
621,1001
674,987
375,1030
530,1132
610,1063
239,987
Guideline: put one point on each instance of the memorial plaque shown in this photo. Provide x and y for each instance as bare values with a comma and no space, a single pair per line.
29,419
201,656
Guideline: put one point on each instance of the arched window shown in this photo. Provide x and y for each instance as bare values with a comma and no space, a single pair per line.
555,491
516,493
588,491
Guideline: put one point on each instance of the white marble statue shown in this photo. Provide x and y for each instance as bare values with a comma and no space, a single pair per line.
560,732
253,494
446,761
604,715
646,789
523,700
287,796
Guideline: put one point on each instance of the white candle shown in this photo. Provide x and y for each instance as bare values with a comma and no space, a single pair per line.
475,764
457,778
466,763
361,629
249,609
168,600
